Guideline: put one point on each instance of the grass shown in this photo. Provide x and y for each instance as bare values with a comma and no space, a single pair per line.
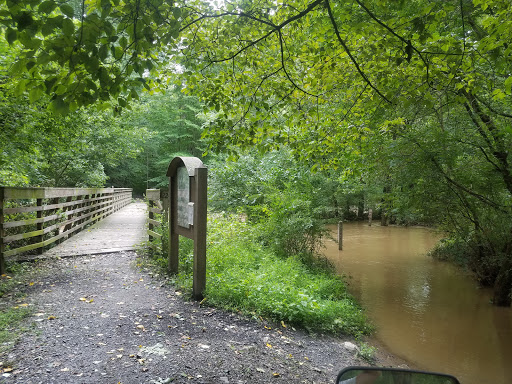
245,277
12,313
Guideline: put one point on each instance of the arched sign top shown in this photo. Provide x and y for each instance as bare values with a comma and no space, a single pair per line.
190,163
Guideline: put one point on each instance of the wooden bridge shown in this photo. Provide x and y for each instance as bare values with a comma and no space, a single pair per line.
104,220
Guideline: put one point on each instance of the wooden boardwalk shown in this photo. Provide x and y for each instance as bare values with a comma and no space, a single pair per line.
124,230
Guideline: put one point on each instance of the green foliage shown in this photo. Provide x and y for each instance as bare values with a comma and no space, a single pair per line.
12,315
10,320
88,52
171,123
286,202
367,352
39,148
243,276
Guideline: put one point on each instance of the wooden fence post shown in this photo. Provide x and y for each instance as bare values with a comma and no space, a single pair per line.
200,220
40,225
2,232
340,235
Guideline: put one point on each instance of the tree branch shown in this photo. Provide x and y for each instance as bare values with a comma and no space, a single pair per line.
352,58
407,42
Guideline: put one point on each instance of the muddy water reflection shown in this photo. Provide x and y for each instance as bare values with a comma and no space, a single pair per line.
427,312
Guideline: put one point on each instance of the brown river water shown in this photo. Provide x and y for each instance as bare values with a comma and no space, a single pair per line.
429,313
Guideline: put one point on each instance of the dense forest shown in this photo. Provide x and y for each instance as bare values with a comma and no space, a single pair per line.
301,109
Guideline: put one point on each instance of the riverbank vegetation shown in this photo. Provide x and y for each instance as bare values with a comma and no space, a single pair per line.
249,278
401,107
265,234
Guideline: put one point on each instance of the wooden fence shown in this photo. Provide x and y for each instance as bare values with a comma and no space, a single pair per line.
33,218
158,200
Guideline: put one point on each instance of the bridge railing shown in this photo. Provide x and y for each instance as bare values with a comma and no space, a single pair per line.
158,201
31,219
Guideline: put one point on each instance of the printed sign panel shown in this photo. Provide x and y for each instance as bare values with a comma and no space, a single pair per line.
183,197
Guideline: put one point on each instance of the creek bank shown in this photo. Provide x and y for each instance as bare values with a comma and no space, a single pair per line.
99,319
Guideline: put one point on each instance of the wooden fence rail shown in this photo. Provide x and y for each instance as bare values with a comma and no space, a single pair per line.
33,218
158,200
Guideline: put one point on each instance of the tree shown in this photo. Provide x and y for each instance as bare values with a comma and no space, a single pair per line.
85,52
331,80
173,125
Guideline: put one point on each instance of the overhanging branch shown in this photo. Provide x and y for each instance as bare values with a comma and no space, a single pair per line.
352,58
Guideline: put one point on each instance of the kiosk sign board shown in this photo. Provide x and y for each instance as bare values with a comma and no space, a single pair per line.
185,206
187,214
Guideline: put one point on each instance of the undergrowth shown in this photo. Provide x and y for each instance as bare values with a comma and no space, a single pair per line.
245,277
12,313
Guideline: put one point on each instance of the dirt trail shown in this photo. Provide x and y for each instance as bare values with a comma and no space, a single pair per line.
99,319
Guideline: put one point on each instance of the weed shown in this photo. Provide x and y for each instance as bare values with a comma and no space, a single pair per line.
12,315
367,352
243,276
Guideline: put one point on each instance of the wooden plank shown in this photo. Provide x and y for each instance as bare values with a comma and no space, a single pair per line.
25,235
23,193
33,208
156,223
46,193
154,234
104,202
65,192
13,224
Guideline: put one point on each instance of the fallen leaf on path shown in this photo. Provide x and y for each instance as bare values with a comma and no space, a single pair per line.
51,317
275,374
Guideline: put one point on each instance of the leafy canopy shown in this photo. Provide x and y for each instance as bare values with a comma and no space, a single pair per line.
90,51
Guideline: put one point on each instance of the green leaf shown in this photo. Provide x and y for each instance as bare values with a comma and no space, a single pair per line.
67,10
59,106
47,29
118,53
68,28
11,35
47,6
35,94
508,85
49,83
123,42
20,88
103,52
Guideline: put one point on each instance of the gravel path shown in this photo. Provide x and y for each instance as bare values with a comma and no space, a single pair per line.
100,319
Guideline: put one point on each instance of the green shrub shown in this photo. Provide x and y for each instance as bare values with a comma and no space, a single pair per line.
243,276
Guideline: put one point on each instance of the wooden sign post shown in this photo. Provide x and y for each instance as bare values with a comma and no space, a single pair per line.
187,215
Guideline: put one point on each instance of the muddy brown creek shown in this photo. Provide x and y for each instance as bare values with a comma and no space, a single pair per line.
427,312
